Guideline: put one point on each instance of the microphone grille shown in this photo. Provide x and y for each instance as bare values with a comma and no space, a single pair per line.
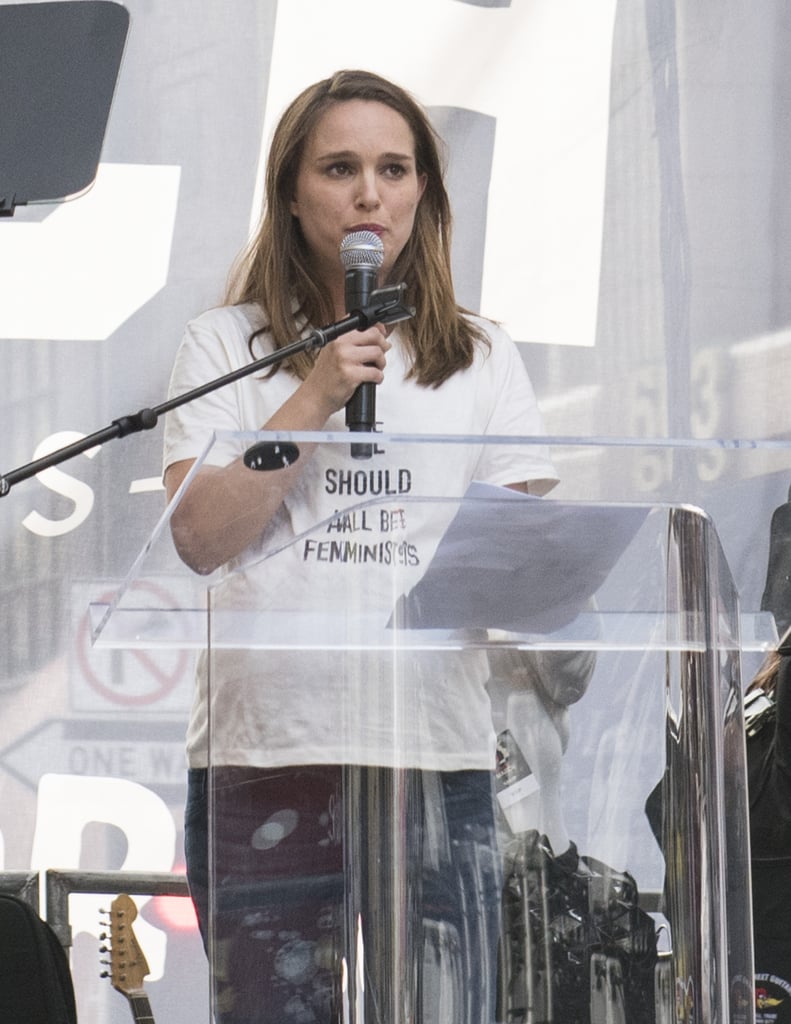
362,249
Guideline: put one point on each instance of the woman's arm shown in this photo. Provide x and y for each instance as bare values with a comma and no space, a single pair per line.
226,508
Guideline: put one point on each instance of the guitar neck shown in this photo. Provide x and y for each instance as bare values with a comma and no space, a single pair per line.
141,1007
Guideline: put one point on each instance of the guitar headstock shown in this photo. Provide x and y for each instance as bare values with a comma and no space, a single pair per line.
127,963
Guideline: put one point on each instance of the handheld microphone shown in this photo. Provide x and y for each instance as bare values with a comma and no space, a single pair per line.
362,253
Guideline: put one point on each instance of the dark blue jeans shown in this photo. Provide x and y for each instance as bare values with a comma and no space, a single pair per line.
280,888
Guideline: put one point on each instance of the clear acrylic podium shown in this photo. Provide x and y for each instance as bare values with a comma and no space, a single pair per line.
588,656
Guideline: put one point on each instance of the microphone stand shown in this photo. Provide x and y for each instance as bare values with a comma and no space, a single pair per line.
385,306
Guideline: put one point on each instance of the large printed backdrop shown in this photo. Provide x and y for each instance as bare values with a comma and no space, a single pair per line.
618,174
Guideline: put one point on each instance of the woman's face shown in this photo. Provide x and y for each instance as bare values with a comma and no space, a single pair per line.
357,173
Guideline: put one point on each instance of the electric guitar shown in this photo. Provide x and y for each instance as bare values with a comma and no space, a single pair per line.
127,963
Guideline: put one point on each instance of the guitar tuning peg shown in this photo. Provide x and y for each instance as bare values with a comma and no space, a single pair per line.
103,949
104,974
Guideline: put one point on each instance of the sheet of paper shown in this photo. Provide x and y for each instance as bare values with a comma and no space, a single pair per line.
518,563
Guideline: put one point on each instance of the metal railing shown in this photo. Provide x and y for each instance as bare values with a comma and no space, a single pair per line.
59,885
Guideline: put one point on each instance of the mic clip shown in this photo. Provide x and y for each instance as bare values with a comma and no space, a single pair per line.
385,306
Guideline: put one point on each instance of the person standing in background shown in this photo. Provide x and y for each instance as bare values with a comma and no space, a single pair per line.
768,726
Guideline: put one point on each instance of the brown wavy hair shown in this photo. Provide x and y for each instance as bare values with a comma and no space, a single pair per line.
274,270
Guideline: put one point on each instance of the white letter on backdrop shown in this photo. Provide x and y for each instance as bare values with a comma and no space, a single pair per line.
102,255
545,77
66,804
61,483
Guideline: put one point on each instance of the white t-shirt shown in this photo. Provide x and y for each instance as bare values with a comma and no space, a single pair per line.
350,537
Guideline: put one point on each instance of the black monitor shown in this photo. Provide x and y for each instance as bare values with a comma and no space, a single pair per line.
59,63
